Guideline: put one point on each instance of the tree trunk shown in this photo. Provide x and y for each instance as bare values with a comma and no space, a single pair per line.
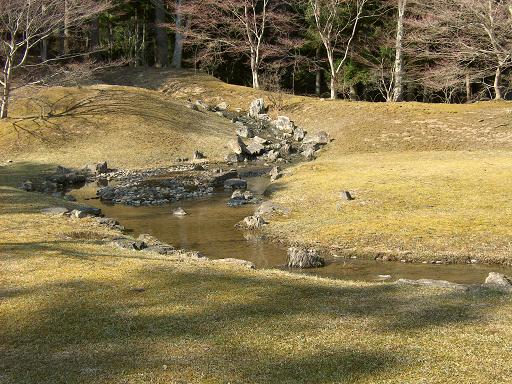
254,71
162,45
95,34
334,94
6,94
398,70
469,93
44,50
178,38
497,82
67,32
318,78
255,79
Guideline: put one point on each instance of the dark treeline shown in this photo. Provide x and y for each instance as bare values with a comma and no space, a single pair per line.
374,50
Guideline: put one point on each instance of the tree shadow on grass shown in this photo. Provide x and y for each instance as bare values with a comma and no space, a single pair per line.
229,327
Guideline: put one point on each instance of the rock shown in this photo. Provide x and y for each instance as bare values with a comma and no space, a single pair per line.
499,281
255,149
251,223
91,211
248,195
222,106
219,179
201,105
235,184
107,221
275,174
257,108
269,208
236,262
304,258
27,186
431,283
79,214
198,155
179,212
244,131
237,146
237,195
9,161
233,158
259,140
298,134
285,150
309,154
284,124
130,244
272,155
345,195
317,140
55,211
101,168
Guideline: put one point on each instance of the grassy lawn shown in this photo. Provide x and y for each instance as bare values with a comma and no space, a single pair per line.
74,310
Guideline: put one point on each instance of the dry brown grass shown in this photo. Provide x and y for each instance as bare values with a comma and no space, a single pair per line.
78,311
74,310
128,127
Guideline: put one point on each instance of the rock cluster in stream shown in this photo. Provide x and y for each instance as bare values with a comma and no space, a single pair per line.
258,137
164,185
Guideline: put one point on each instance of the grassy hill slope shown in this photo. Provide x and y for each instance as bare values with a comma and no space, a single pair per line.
129,127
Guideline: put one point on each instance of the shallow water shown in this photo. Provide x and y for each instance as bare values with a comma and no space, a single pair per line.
209,229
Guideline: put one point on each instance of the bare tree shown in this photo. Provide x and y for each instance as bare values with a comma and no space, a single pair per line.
336,22
250,28
467,35
25,24
179,35
162,44
398,69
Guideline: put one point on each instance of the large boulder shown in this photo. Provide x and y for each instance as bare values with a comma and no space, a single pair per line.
237,146
257,108
284,124
304,258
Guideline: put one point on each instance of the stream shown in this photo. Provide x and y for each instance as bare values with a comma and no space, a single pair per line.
209,229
